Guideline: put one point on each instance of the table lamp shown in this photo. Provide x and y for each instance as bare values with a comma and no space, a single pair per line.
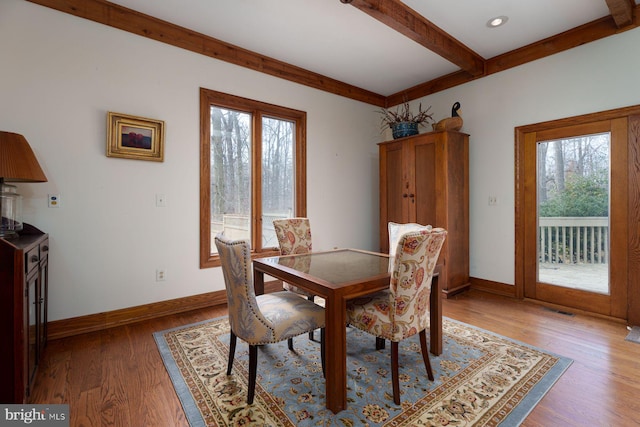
17,164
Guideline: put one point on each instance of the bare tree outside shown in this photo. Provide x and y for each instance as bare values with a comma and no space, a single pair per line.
573,177
278,175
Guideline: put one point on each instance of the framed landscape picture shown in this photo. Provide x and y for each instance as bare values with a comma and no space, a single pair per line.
133,137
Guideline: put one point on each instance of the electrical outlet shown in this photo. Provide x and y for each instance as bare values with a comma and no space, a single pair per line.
493,200
161,275
53,200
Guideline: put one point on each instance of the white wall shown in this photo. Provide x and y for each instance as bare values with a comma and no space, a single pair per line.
59,77
595,77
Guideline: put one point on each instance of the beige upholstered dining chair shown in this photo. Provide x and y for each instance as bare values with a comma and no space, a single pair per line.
261,319
294,237
402,310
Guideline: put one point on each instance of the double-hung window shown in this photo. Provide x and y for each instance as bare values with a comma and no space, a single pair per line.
252,171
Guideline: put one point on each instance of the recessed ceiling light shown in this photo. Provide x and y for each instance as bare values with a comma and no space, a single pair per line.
497,21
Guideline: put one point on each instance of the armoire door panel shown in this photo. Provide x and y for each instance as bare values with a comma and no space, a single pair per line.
425,186
396,187
392,184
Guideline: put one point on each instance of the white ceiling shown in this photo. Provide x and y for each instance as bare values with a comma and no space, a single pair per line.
340,41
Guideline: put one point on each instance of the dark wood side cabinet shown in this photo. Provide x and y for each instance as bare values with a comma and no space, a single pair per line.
425,179
24,273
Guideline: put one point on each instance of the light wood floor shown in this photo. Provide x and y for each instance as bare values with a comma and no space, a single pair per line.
116,377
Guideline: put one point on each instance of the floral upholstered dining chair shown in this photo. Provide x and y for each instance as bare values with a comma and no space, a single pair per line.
402,310
261,319
294,238
294,235
396,230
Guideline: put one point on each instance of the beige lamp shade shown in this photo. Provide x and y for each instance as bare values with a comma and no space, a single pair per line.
17,161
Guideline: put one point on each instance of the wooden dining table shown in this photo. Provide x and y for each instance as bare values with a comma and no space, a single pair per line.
338,276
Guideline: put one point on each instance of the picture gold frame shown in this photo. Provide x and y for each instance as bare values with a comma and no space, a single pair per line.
133,137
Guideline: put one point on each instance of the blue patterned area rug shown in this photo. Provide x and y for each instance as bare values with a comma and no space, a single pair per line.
481,379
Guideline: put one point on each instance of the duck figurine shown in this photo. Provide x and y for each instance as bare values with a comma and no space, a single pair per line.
451,123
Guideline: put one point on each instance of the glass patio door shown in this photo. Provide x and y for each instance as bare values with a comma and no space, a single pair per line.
574,207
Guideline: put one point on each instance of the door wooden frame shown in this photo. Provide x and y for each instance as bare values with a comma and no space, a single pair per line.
626,120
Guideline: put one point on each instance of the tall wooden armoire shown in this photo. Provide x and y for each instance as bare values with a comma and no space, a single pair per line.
425,179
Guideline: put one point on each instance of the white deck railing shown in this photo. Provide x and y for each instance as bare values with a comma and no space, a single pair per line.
574,240
237,227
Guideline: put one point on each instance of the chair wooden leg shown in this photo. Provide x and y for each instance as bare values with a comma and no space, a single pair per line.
324,373
380,343
253,366
290,343
311,298
394,372
425,353
232,351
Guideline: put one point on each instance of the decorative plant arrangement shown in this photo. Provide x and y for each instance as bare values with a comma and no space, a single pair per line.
403,122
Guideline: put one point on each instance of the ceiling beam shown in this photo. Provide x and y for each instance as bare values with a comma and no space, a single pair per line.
432,86
413,25
621,11
129,20
592,31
